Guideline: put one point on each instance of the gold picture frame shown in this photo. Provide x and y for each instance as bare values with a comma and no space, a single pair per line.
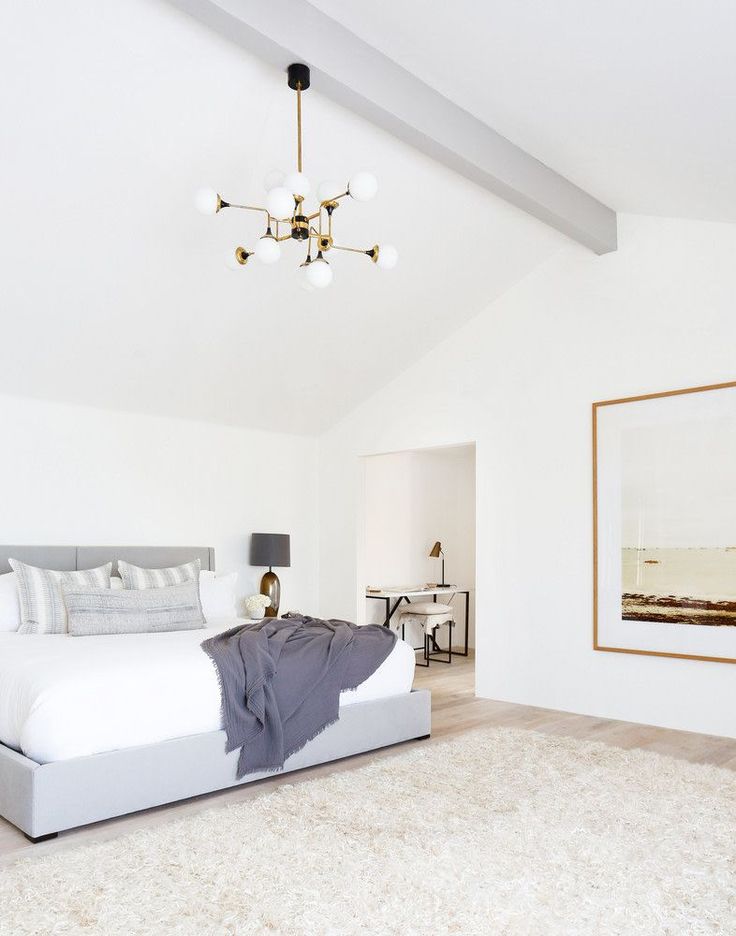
597,407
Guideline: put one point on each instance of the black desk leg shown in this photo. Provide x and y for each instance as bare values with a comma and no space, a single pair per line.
391,611
467,620
467,625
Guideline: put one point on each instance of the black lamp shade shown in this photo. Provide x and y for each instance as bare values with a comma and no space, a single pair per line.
270,549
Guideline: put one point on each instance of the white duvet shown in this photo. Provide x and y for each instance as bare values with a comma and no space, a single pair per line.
64,697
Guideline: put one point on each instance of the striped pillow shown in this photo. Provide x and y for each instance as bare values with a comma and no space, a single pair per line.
42,608
133,611
135,577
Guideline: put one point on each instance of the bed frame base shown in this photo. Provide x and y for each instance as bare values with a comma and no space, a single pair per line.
44,799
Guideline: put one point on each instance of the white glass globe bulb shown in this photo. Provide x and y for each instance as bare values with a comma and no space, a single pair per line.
298,184
319,273
207,201
302,277
268,249
388,257
274,179
363,186
280,202
328,190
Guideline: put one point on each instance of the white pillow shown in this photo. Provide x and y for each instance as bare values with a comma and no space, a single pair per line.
9,603
116,583
217,595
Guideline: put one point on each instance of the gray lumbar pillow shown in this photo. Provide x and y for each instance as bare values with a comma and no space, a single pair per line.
134,576
41,598
133,611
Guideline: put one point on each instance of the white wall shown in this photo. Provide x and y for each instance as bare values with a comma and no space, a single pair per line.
78,475
519,380
413,499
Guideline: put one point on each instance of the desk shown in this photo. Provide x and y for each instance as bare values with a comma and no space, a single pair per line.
397,595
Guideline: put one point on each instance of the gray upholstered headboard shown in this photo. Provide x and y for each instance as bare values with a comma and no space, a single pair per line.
70,558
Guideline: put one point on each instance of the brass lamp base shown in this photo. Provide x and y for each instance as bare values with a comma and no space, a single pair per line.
271,586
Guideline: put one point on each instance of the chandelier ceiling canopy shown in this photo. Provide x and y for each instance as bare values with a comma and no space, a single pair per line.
287,218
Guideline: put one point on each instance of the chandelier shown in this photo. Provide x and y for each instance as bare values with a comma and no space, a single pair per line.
287,218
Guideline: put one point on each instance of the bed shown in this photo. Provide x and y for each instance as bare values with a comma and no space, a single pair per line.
96,727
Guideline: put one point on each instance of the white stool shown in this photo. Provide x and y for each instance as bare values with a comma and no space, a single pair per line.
430,615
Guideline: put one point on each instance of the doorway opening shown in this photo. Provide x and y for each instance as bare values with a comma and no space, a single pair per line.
419,535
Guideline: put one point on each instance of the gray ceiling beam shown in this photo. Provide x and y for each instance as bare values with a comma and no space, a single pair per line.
358,76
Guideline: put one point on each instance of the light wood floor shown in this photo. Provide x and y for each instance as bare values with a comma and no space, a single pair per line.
454,710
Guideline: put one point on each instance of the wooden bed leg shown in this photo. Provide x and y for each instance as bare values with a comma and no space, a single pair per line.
41,838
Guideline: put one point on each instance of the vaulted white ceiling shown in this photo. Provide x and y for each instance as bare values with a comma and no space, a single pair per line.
114,290
632,100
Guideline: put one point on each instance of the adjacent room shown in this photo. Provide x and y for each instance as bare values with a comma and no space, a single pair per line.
368,419
419,511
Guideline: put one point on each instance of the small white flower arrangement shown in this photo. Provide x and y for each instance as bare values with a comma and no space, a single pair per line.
255,605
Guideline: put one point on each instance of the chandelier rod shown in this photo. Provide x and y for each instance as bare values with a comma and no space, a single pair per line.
299,125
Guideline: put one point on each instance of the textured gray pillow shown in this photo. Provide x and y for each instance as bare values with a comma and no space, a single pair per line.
133,611
42,609
134,576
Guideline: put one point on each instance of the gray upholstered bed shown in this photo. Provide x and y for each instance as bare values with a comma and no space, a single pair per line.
44,799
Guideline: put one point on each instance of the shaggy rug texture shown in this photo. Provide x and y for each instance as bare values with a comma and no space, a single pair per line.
496,832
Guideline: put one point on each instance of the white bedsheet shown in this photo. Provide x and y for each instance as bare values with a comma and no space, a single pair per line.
64,697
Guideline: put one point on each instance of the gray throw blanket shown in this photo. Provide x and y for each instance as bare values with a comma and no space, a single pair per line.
281,679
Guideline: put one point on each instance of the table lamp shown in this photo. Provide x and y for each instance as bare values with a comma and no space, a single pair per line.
435,553
271,549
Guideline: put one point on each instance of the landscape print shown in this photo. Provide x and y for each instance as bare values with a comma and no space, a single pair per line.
678,522
679,586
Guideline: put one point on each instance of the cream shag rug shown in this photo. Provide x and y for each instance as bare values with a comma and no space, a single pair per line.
496,832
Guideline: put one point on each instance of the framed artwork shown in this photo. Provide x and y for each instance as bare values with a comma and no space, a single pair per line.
664,524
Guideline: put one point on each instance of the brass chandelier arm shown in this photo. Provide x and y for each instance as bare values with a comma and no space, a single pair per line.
269,218
265,211
326,204
246,208
333,201
359,250
324,241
